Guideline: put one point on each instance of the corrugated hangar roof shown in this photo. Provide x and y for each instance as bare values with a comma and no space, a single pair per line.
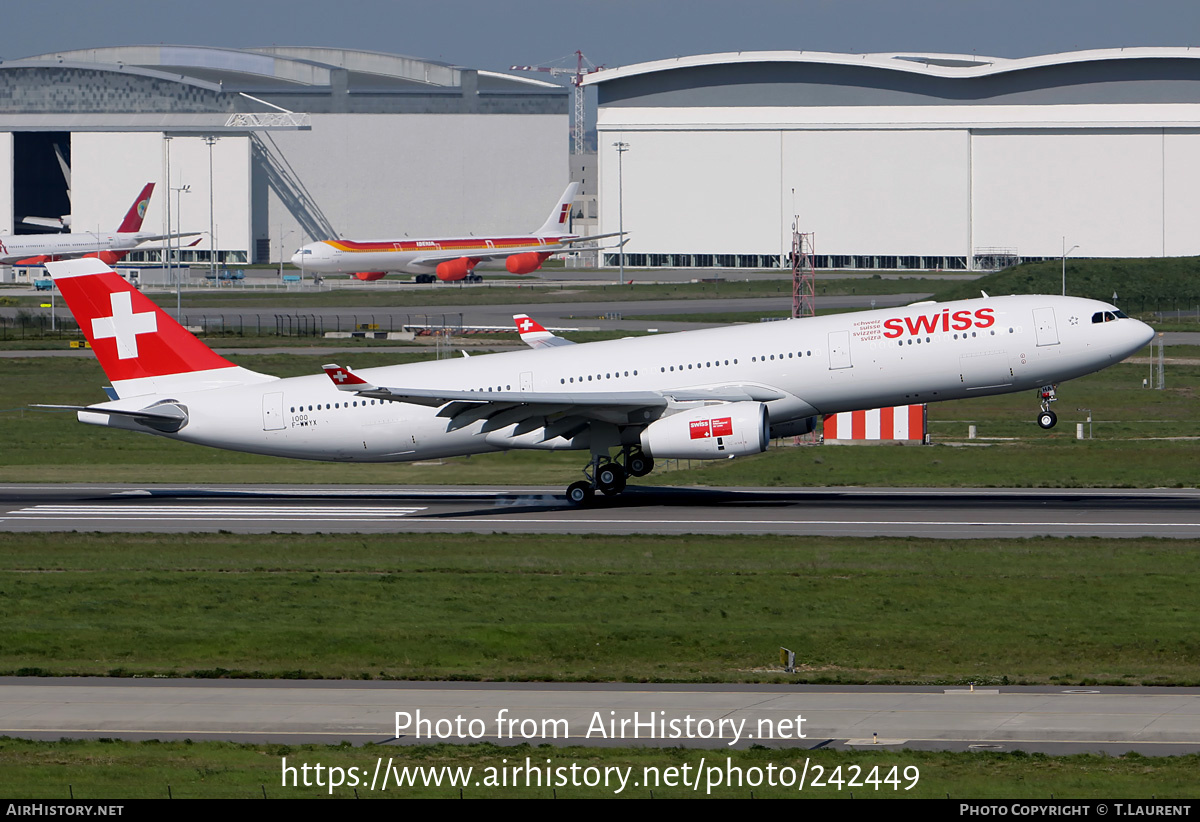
88,88
281,67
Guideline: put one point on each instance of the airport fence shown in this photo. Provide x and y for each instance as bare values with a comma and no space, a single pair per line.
26,325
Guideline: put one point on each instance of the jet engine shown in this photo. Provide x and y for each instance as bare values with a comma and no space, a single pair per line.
527,262
794,428
711,432
369,275
453,270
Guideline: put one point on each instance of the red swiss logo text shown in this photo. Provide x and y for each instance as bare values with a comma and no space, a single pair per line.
704,429
942,320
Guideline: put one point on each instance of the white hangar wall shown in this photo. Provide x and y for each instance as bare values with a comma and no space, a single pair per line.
108,169
738,192
384,176
6,182
935,192
1101,189
937,165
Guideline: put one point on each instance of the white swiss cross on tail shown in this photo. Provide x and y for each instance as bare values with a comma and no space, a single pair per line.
124,325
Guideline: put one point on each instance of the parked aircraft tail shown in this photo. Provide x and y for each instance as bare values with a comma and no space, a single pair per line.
137,211
559,220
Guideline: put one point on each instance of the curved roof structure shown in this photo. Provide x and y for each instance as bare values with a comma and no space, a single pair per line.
804,78
201,79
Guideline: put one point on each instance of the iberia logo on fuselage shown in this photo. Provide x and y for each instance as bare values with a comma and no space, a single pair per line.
942,320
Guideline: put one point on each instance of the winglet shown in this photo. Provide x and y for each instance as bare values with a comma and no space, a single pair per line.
345,379
534,335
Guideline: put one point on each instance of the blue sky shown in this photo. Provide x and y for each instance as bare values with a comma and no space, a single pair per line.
493,35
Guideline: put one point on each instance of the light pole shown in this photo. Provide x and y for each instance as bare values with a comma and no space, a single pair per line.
1066,251
179,192
166,257
621,147
282,237
212,237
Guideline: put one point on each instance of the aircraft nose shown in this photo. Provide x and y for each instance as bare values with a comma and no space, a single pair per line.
298,258
1143,332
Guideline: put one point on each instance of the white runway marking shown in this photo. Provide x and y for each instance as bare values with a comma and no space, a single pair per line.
206,512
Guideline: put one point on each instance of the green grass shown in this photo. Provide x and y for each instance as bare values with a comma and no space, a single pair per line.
90,770
1157,284
692,609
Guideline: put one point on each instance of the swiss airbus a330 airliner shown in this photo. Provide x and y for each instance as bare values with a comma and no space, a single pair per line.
710,394
449,258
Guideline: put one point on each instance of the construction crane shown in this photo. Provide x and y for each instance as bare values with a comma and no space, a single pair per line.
577,73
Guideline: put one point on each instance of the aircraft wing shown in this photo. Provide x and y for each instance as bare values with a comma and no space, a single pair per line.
145,238
554,245
448,255
560,413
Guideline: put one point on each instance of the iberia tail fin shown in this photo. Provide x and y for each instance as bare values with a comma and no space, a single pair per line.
558,222
141,348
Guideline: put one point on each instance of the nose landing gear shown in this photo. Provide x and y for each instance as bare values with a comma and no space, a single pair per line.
1047,418
609,475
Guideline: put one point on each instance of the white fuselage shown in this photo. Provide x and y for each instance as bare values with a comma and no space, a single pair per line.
20,247
820,365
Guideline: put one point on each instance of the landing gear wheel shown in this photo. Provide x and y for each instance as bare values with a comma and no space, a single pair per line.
610,478
639,465
580,493
1047,419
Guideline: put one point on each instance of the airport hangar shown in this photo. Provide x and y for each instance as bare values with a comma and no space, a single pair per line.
312,143
898,161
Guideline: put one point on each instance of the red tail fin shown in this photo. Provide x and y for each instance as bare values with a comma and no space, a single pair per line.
136,342
137,212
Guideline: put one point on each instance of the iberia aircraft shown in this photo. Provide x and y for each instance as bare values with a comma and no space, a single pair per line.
450,258
710,394
35,249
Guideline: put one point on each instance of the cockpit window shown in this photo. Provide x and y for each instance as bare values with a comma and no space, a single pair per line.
1108,316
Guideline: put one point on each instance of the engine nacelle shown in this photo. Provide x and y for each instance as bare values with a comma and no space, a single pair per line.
794,428
369,275
453,270
527,262
711,432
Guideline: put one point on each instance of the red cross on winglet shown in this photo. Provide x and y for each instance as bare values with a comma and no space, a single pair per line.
343,377
526,325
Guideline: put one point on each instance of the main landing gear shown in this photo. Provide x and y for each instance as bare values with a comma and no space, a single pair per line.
609,475
1047,418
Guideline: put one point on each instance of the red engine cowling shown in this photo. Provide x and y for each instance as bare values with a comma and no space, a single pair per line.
527,262
452,270
369,275
711,432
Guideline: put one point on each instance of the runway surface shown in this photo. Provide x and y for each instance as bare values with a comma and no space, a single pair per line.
1152,721
859,512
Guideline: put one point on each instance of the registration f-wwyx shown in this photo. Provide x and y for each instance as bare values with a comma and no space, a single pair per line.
711,394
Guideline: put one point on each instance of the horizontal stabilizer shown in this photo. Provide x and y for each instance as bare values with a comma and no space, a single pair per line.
168,417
